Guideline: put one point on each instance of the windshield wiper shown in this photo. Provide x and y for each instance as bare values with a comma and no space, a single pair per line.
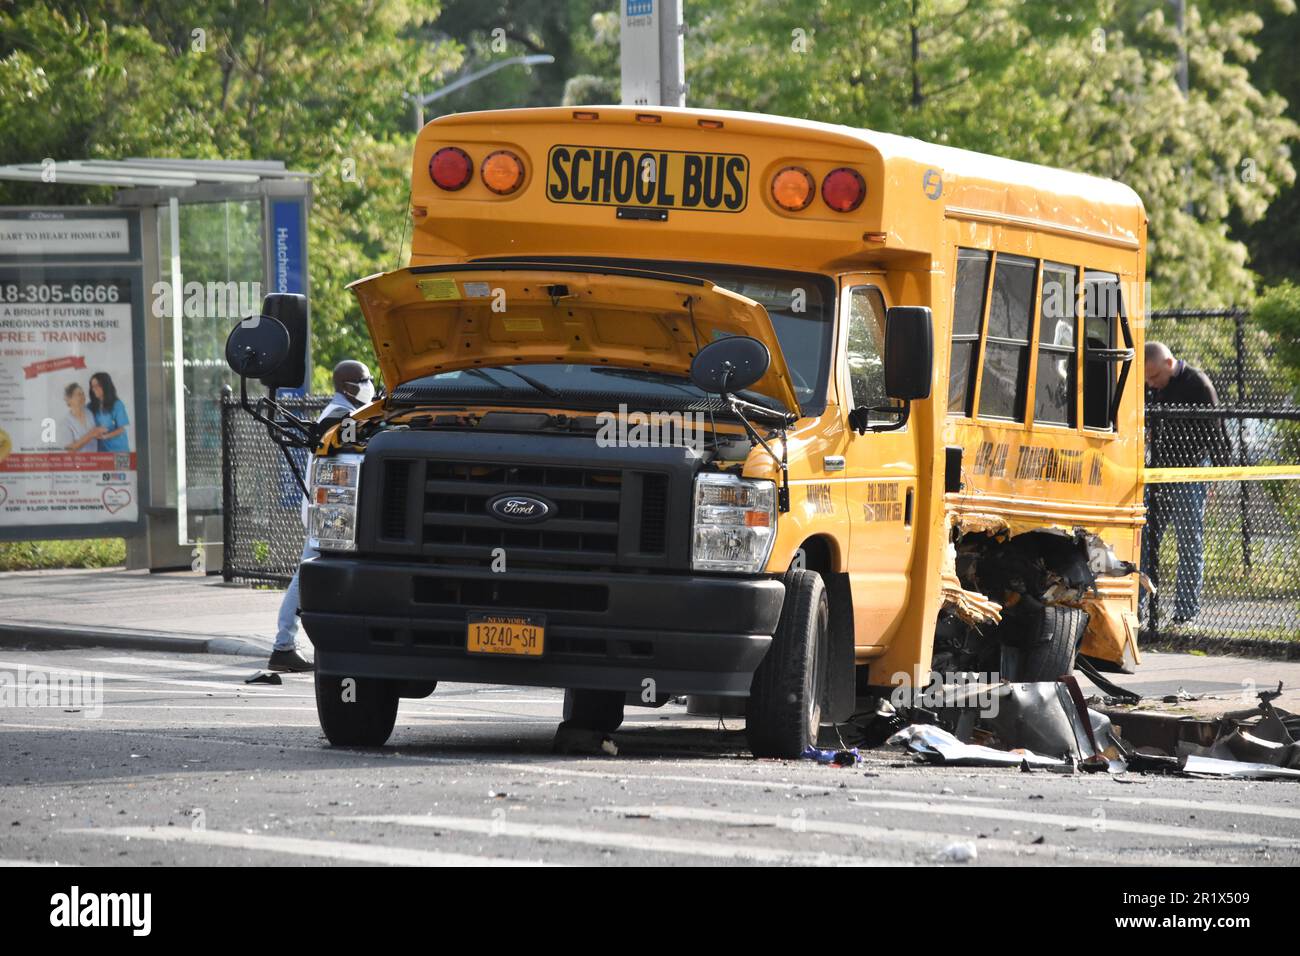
538,386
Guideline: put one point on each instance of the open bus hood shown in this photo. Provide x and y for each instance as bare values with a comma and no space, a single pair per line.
431,319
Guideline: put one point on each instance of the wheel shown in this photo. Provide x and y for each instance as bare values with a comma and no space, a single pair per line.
1051,654
594,709
786,695
358,713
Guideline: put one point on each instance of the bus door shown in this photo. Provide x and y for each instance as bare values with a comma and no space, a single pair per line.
879,469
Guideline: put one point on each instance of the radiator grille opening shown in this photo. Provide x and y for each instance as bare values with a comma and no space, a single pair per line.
397,488
654,514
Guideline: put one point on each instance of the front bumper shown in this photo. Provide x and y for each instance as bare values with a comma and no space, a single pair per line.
690,634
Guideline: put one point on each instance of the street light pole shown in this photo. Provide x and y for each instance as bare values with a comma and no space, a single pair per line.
421,100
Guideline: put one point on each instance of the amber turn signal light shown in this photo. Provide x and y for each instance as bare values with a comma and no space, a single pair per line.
793,188
502,172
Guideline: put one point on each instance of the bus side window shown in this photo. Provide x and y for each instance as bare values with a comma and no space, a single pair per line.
967,314
865,352
1101,308
1006,357
1055,396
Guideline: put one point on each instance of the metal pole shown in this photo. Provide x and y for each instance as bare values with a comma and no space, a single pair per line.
178,372
1242,456
672,60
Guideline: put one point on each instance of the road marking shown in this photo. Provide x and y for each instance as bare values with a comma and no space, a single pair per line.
1208,806
926,839
735,782
6,863
108,675
642,842
213,668
298,846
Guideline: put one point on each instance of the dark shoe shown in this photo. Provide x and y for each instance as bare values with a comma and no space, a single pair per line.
290,661
1184,618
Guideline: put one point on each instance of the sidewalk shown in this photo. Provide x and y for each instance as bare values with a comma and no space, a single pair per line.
183,611
177,611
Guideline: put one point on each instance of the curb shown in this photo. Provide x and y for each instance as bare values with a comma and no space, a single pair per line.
37,636
1222,646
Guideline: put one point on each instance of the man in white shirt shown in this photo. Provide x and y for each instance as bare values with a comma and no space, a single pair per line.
353,387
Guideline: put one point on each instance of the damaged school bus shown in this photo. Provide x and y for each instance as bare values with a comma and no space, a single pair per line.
903,375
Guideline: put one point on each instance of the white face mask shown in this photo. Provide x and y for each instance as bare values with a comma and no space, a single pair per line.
365,393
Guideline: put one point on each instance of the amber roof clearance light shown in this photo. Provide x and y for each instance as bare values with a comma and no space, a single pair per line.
502,172
844,189
793,188
451,168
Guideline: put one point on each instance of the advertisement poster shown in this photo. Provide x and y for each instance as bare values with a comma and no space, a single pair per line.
70,423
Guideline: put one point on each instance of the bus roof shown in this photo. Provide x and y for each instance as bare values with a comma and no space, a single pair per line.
974,185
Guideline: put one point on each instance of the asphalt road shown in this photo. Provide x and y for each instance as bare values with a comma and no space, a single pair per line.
188,765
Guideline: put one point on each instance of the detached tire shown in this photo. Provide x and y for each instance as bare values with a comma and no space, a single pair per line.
1052,654
365,718
600,710
788,690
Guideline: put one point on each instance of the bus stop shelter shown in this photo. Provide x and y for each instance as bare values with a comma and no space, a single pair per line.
140,294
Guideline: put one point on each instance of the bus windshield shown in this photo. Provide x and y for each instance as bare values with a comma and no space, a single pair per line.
800,305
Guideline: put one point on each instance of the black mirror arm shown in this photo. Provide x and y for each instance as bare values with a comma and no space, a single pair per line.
783,460
860,423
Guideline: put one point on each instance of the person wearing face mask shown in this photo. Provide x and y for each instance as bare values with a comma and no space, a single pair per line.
353,387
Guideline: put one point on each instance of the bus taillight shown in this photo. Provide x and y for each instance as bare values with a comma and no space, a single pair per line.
502,172
451,168
843,189
793,188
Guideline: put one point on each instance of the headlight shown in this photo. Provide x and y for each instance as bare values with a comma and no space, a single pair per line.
735,523
332,507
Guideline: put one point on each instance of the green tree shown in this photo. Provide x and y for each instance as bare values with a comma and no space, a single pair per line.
1090,85
316,84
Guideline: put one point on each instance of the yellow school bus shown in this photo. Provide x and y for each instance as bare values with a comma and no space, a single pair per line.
910,423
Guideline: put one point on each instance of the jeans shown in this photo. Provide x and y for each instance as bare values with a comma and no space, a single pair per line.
286,635
1183,506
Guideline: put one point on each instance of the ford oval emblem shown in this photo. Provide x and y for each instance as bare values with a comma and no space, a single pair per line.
520,507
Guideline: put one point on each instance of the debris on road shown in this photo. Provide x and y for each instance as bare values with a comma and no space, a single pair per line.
573,739
1047,725
1262,735
834,758
1213,767
939,746
957,853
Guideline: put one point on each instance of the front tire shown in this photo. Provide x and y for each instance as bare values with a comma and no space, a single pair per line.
1052,653
787,694
360,714
600,710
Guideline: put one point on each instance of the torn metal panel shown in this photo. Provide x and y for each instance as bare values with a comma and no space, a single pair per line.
1212,767
939,746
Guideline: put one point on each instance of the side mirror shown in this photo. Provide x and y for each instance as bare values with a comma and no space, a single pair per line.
730,364
909,352
257,347
290,309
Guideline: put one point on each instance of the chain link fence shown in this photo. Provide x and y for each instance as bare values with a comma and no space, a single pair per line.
1222,541
263,532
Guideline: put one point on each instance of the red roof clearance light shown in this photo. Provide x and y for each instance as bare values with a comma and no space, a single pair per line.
844,189
451,168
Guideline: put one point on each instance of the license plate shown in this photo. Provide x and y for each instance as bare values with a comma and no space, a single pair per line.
506,634
660,178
